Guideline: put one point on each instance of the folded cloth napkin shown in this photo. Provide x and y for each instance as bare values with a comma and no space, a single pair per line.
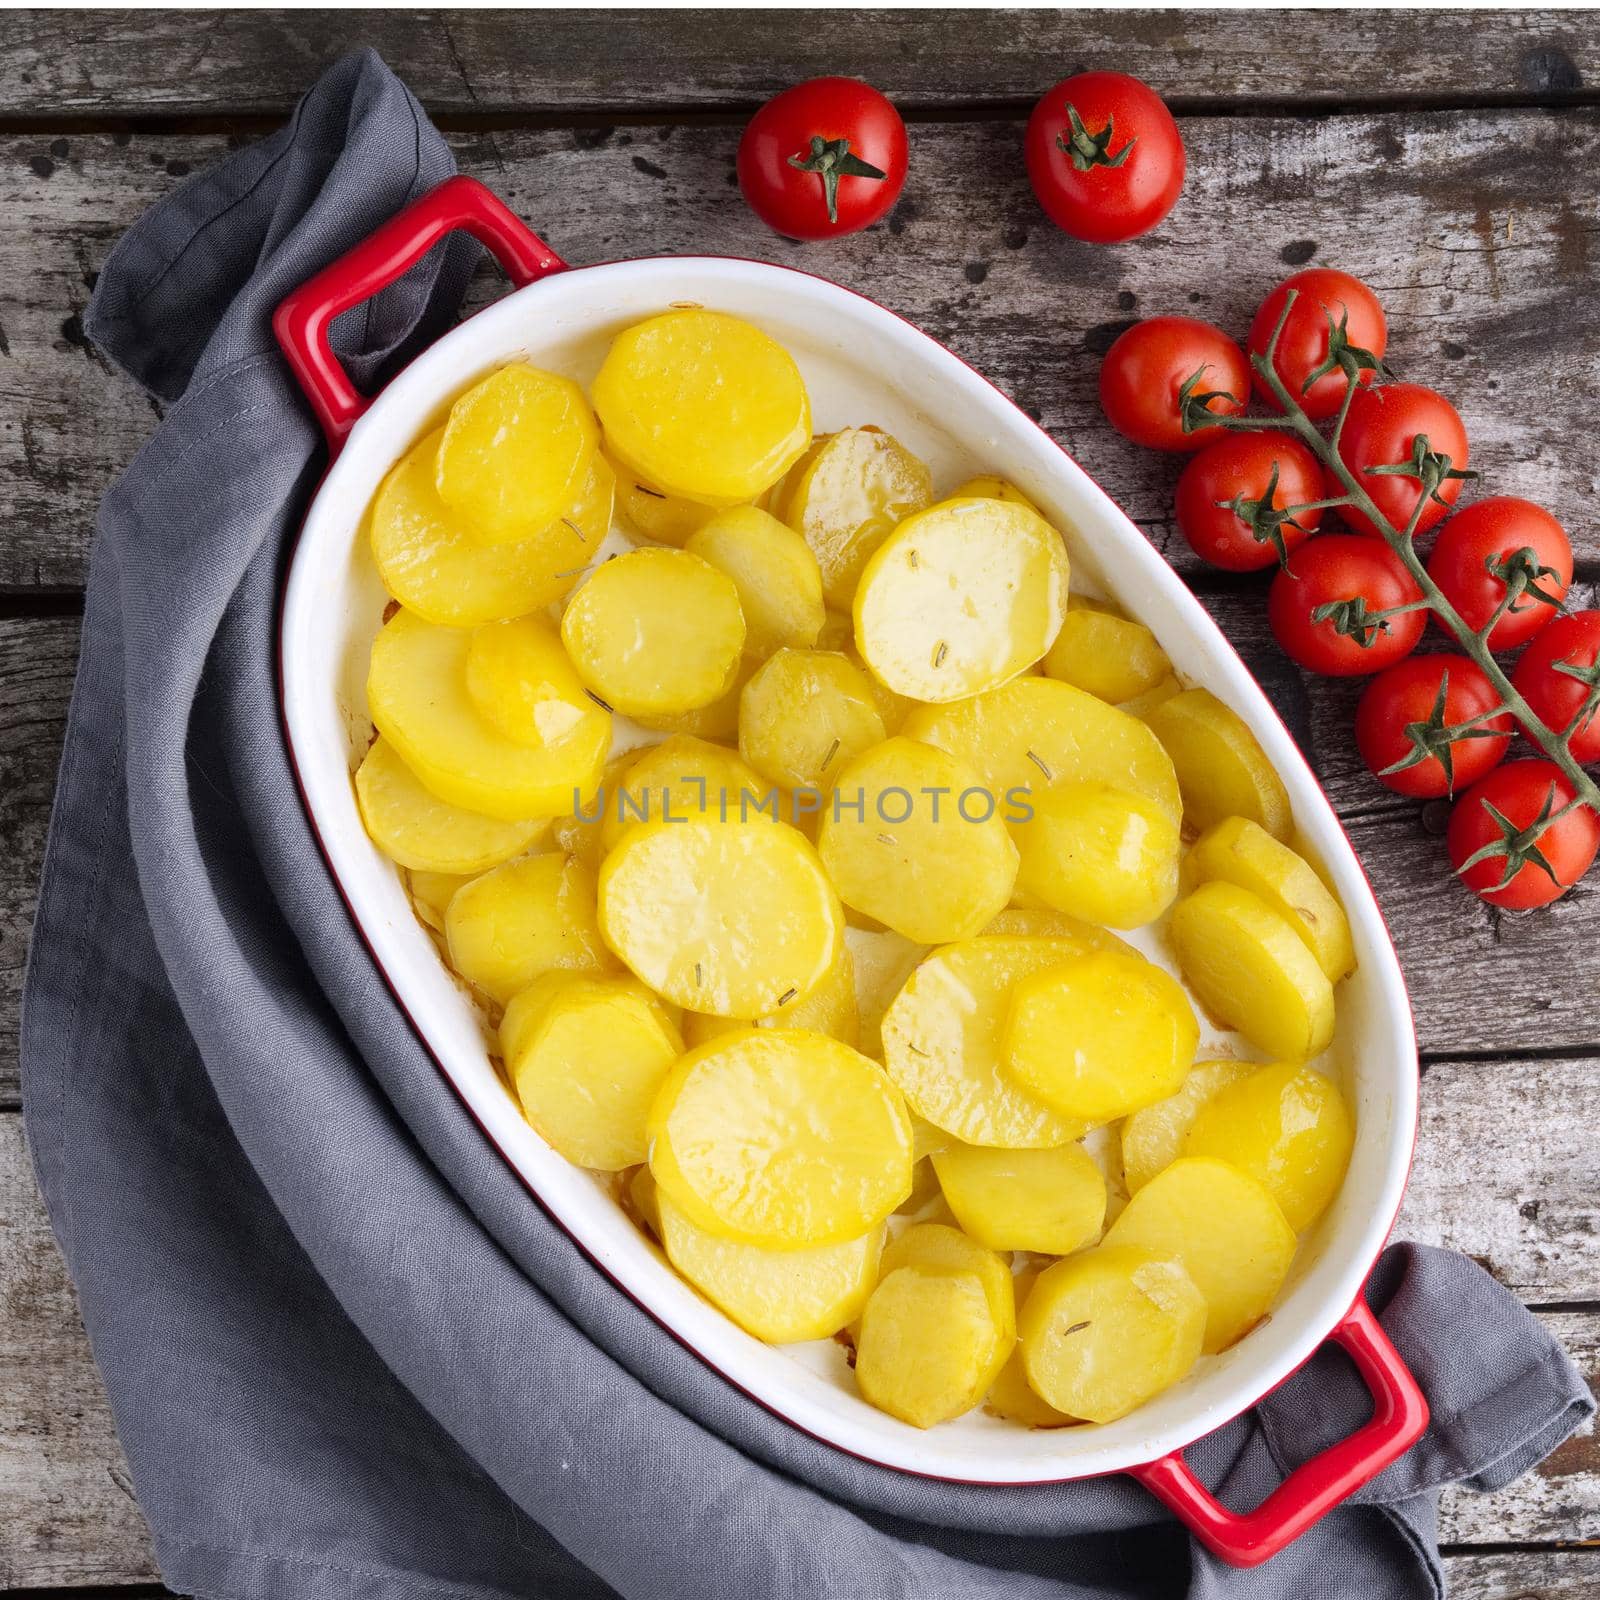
347,1354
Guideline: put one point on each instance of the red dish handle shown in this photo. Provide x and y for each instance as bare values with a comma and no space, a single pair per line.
302,321
1245,1539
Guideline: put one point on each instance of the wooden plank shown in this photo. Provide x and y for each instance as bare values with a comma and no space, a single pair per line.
1475,227
129,62
1523,1575
71,1518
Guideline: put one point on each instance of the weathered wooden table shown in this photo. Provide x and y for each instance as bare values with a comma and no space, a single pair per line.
1450,160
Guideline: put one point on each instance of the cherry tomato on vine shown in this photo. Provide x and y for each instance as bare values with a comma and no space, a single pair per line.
1505,845
1155,364
823,159
1233,495
1322,604
1502,543
1334,333
1558,696
1104,156
1401,441
1406,720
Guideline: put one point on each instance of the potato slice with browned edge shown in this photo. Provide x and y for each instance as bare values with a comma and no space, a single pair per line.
1034,732
781,1139
736,919
1222,771
432,565
587,1056
1011,1395
515,452
414,827
960,598
1099,1035
1106,854
804,714
531,916
1224,1230
683,779
942,1040
847,497
1250,969
418,696
1110,1329
772,567
655,514
1153,1136
912,839
1289,1128
702,405
1111,657
1241,851
779,1296
655,632
1051,1202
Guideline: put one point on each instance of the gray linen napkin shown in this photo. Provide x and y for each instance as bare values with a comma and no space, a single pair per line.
348,1356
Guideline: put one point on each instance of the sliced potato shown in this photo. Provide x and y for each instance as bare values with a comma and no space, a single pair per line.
645,1199
1045,922
737,919
515,452
1141,705
1099,1035
702,405
1102,853
903,845
655,514
782,1139
415,828
718,721
431,892
883,961
581,832
1110,1329
960,598
937,1247
655,632
431,563
1011,1395
986,486
679,780
520,682
772,567
1224,1230
1250,969
1111,657
1222,771
926,1347
587,1056
1243,852
804,714
1289,1128
417,694
1034,732
829,1008
1051,1202
942,1042
1153,1136
847,497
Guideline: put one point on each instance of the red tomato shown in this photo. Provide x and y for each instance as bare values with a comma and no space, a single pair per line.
1335,328
1393,434
1556,696
1496,542
823,159
1104,157
1231,499
1525,794
1406,714
1341,579
1154,363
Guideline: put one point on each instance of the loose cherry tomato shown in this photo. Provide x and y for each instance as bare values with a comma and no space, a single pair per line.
1156,363
1232,497
1322,606
823,159
1335,331
1502,543
1504,844
1405,718
1557,696
1400,441
1104,157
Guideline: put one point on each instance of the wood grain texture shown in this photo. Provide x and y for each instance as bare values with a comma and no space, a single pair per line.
1476,228
114,62
1524,1575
